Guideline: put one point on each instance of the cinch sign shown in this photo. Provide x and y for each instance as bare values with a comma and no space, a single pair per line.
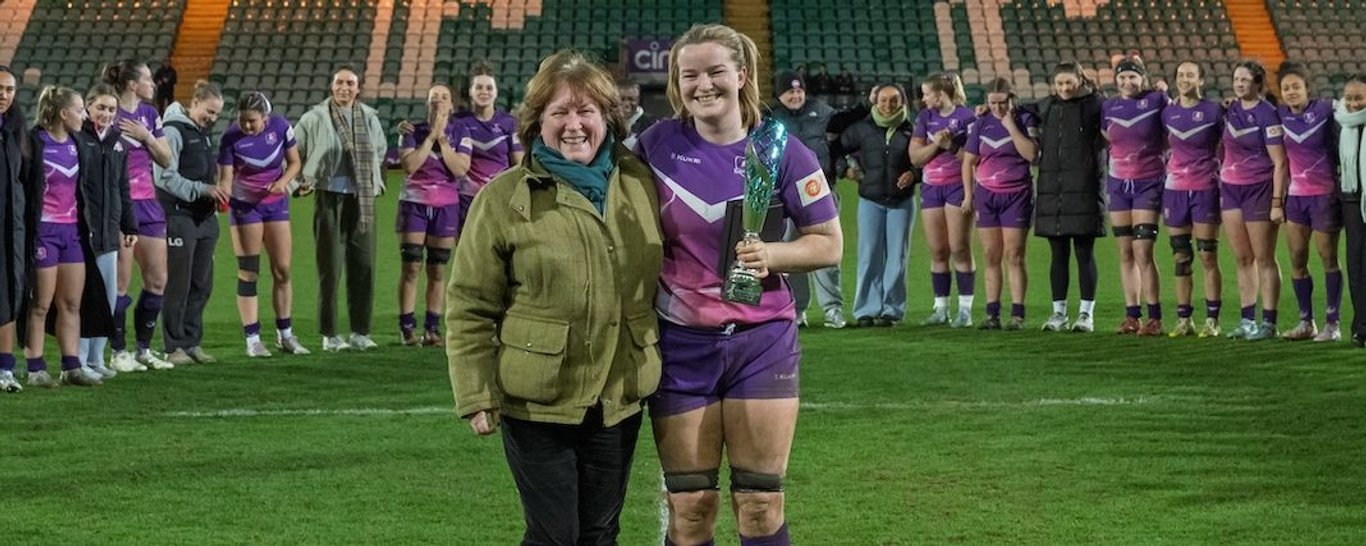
648,56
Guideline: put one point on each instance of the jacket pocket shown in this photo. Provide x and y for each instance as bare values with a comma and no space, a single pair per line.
532,354
645,357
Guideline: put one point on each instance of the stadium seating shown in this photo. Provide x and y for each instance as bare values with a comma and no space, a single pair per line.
1325,35
879,40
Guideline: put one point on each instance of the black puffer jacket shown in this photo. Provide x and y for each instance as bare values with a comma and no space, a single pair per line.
883,161
1070,201
13,235
108,206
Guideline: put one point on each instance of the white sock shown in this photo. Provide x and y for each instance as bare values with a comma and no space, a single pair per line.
1088,307
941,303
965,303
286,333
1060,307
253,339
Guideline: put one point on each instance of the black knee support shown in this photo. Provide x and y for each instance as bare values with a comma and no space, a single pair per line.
438,256
246,289
754,482
252,265
1207,245
1145,232
1184,254
411,252
1123,231
686,482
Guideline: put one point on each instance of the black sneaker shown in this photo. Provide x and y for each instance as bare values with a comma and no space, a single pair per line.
1359,339
991,323
863,322
886,322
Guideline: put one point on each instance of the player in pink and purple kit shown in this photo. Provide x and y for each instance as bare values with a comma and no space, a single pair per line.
140,126
435,156
1252,197
257,159
998,188
941,130
729,370
1312,208
1132,124
494,145
1190,202
53,214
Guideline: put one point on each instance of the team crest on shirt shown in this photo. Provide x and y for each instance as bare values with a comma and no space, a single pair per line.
118,147
1143,104
953,124
1198,116
1250,120
813,188
1309,117
271,138
71,149
739,164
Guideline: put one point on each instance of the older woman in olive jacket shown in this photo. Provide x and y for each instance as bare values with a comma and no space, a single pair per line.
550,318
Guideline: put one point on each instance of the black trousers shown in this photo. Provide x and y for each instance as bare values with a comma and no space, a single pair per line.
572,478
1356,260
189,280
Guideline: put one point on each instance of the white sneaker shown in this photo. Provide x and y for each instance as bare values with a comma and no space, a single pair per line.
257,350
1330,333
41,379
124,362
290,345
1056,322
333,344
80,378
964,319
180,358
150,359
834,318
8,383
1084,324
362,342
1245,328
100,370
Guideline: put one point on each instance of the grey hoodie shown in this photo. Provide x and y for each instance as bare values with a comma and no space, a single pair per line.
168,179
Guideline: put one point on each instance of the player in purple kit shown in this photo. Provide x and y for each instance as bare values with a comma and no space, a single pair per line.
1132,124
494,145
53,179
435,156
941,130
997,187
1312,207
257,159
13,235
1190,201
730,370
140,125
1252,196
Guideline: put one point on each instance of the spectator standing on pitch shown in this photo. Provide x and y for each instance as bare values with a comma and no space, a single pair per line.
807,118
13,235
1351,118
188,191
342,147
637,121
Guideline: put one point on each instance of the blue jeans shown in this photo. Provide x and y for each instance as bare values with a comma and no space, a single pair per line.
884,245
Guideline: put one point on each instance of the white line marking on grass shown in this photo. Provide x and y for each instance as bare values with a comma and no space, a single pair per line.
811,406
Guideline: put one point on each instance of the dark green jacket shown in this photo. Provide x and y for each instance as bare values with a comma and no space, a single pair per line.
550,306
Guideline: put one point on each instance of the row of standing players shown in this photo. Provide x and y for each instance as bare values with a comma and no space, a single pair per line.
1249,164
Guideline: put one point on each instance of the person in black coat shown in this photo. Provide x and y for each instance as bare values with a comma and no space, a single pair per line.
13,259
1069,206
109,209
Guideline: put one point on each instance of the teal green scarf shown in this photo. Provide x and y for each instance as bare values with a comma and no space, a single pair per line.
590,180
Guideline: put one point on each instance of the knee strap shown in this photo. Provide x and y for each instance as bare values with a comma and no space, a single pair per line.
438,256
1145,232
1123,231
754,482
246,289
1207,245
411,252
249,263
1184,254
687,482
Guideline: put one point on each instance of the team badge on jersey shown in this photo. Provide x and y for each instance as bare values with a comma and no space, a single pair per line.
814,188
1199,116
739,164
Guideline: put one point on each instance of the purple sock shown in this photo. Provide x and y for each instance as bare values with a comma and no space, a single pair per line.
433,322
1269,316
1133,311
284,323
779,538
941,283
1249,312
1017,310
407,322
994,309
1334,281
145,317
1212,308
253,329
7,362
1184,311
1304,295
967,282
70,363
119,341
1155,311
36,364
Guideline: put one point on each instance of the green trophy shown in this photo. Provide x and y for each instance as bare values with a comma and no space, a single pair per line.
763,154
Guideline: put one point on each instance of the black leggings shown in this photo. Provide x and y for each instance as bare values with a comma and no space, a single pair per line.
1058,272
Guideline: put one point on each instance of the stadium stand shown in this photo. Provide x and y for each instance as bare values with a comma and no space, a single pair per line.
1322,34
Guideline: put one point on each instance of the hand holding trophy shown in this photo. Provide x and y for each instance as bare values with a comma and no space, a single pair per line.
763,155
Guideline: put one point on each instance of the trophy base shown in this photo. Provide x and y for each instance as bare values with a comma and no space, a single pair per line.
742,288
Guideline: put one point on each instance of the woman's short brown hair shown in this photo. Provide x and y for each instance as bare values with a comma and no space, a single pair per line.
586,78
